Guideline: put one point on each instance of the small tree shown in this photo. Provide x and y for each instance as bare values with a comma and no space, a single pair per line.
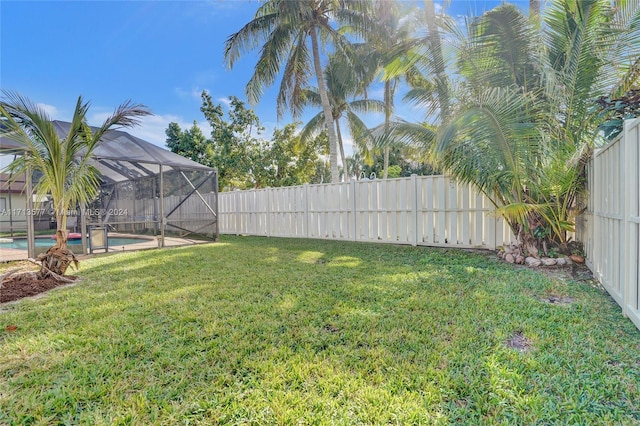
68,174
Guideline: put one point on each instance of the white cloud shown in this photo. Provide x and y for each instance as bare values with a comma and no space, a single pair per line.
461,22
152,128
51,111
225,101
347,143
194,93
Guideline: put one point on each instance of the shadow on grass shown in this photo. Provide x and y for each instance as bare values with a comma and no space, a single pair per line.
279,331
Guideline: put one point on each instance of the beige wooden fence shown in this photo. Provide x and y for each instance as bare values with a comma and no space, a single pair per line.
611,228
419,210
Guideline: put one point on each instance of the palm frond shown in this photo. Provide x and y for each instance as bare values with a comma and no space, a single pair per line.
312,129
251,35
366,105
493,133
272,54
361,136
295,77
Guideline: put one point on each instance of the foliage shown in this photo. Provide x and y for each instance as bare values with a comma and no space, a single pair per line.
243,158
289,331
422,61
616,110
343,85
191,143
390,27
233,141
522,130
286,162
284,29
404,161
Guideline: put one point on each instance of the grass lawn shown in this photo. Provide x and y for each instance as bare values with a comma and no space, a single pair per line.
281,331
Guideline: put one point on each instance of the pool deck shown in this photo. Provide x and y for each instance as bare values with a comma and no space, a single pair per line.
10,255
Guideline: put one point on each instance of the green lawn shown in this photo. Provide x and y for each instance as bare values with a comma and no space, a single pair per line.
281,331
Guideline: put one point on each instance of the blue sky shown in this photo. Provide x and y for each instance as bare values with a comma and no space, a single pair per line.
158,53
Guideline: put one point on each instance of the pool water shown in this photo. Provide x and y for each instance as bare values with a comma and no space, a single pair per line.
21,243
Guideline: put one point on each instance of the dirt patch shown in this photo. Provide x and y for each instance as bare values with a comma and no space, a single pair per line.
574,272
13,289
581,272
558,300
331,328
519,341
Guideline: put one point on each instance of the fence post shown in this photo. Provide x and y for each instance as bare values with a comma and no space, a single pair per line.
306,210
632,220
492,221
596,223
628,154
354,208
236,201
268,212
31,241
413,202
163,220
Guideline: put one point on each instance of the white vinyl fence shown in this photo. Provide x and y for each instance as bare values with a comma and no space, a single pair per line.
419,210
611,228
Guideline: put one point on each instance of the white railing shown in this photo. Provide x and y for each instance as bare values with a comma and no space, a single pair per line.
419,210
610,229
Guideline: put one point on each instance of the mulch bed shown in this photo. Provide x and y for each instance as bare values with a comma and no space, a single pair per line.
17,289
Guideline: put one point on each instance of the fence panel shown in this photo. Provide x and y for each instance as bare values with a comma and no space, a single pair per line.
419,210
632,216
610,230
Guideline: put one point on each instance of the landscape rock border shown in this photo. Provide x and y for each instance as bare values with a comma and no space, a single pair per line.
513,254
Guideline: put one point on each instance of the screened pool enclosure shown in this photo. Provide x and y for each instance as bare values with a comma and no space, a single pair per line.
146,192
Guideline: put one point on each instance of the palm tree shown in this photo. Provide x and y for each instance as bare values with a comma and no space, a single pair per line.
435,48
420,60
534,8
342,84
389,31
65,164
523,129
283,27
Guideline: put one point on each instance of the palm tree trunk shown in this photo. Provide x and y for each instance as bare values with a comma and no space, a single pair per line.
534,8
442,86
55,262
61,230
387,118
326,108
347,177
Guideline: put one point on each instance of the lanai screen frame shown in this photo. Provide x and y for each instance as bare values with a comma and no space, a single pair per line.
123,158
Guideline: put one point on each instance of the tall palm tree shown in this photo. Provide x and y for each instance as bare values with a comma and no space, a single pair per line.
283,28
389,30
420,59
435,47
534,8
65,164
342,84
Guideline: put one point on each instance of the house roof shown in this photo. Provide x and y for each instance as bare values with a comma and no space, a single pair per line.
122,156
16,187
